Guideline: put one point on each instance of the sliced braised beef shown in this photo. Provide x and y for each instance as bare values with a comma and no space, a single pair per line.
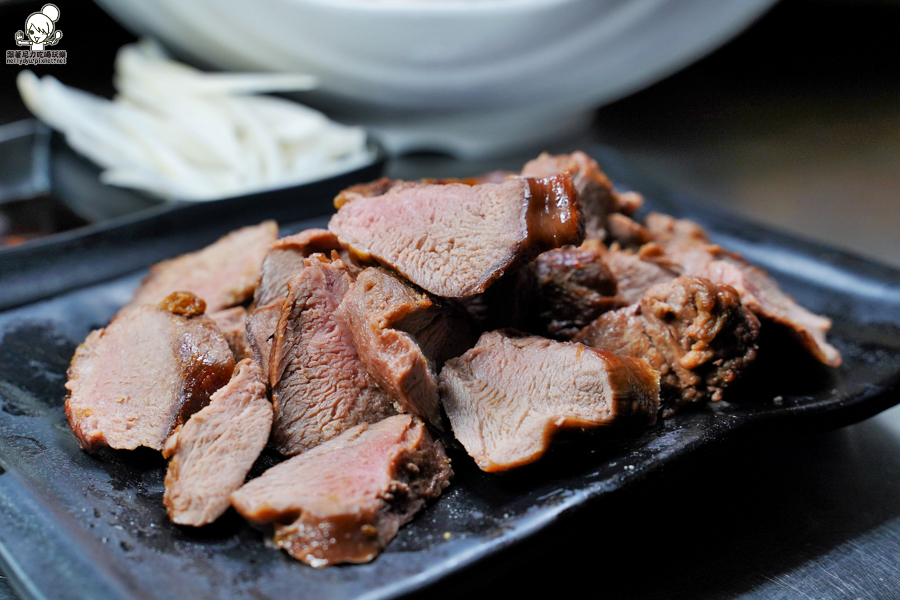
565,289
625,231
261,324
388,319
454,239
507,396
133,382
686,245
696,333
634,274
595,192
210,456
223,274
344,500
573,286
379,187
489,177
285,259
232,322
320,387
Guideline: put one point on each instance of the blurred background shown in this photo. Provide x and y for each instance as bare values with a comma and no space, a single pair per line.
794,122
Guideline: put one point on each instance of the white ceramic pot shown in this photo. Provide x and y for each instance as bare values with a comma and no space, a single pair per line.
472,77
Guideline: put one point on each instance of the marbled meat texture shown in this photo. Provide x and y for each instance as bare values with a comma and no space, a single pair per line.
210,456
344,500
454,240
223,274
686,245
285,259
132,383
696,333
507,396
595,193
320,387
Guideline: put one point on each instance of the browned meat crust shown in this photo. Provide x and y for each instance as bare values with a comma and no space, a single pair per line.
572,287
595,192
344,500
685,245
694,332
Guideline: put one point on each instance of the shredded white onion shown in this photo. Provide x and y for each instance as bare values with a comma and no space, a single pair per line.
181,133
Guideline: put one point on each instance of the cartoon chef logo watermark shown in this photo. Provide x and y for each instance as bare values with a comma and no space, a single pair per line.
40,33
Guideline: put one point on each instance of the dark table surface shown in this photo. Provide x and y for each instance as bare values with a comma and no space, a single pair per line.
796,123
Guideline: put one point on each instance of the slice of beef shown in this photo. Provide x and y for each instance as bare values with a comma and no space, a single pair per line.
379,187
285,259
133,382
565,289
696,333
489,177
210,456
232,322
686,245
261,324
386,318
507,396
572,287
595,192
625,231
223,274
320,387
454,240
634,274
344,500
761,294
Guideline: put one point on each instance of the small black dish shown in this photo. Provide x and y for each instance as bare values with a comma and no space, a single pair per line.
112,219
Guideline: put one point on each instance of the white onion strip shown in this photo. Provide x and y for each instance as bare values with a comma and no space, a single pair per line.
178,132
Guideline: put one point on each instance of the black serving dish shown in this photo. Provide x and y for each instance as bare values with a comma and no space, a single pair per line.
136,228
79,526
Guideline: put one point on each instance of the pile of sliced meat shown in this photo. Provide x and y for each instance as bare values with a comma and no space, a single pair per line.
499,309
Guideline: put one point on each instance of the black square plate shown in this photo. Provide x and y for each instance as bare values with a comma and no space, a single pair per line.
80,526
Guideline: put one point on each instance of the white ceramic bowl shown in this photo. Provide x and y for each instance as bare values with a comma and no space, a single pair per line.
467,76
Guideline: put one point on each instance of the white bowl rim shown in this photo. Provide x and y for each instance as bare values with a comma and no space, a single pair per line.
437,6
